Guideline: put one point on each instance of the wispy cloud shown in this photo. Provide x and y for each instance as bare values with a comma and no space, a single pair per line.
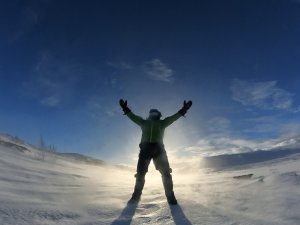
51,101
218,125
158,70
120,65
99,108
29,18
264,95
219,145
263,125
52,81
154,69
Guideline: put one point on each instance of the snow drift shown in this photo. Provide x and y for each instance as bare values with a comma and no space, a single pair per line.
73,189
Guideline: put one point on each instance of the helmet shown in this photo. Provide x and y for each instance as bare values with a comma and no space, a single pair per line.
154,114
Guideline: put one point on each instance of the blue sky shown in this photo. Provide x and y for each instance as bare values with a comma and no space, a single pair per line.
64,66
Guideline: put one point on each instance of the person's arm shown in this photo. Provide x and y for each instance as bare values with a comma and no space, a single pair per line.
136,119
169,120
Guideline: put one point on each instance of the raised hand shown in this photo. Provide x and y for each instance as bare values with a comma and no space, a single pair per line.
123,103
124,106
185,107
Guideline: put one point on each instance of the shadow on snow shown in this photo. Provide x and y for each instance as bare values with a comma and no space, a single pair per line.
127,214
179,216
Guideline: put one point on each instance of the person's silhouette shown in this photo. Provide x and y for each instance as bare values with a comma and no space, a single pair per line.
152,147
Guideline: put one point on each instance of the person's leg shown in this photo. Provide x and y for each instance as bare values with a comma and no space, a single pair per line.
142,169
161,163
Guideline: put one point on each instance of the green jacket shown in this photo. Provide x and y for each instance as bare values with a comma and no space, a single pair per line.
153,130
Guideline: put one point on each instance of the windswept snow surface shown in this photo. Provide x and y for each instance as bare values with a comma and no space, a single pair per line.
59,190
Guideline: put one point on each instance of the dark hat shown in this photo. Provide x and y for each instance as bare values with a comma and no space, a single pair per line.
155,111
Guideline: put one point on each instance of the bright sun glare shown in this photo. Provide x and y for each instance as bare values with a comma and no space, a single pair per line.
153,177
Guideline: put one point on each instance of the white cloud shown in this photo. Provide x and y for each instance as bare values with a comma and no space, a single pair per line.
158,70
218,125
264,95
154,69
218,145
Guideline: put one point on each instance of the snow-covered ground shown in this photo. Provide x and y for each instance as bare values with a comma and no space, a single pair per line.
63,190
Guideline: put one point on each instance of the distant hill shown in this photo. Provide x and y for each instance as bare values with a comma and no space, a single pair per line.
16,144
231,160
84,158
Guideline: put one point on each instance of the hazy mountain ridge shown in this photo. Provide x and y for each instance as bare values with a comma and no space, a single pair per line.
15,143
246,158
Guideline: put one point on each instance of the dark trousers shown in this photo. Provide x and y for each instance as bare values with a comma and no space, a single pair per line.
156,152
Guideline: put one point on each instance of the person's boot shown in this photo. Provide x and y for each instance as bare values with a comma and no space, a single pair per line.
135,198
139,185
168,186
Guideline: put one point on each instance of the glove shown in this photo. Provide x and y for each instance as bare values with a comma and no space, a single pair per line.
185,108
124,106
